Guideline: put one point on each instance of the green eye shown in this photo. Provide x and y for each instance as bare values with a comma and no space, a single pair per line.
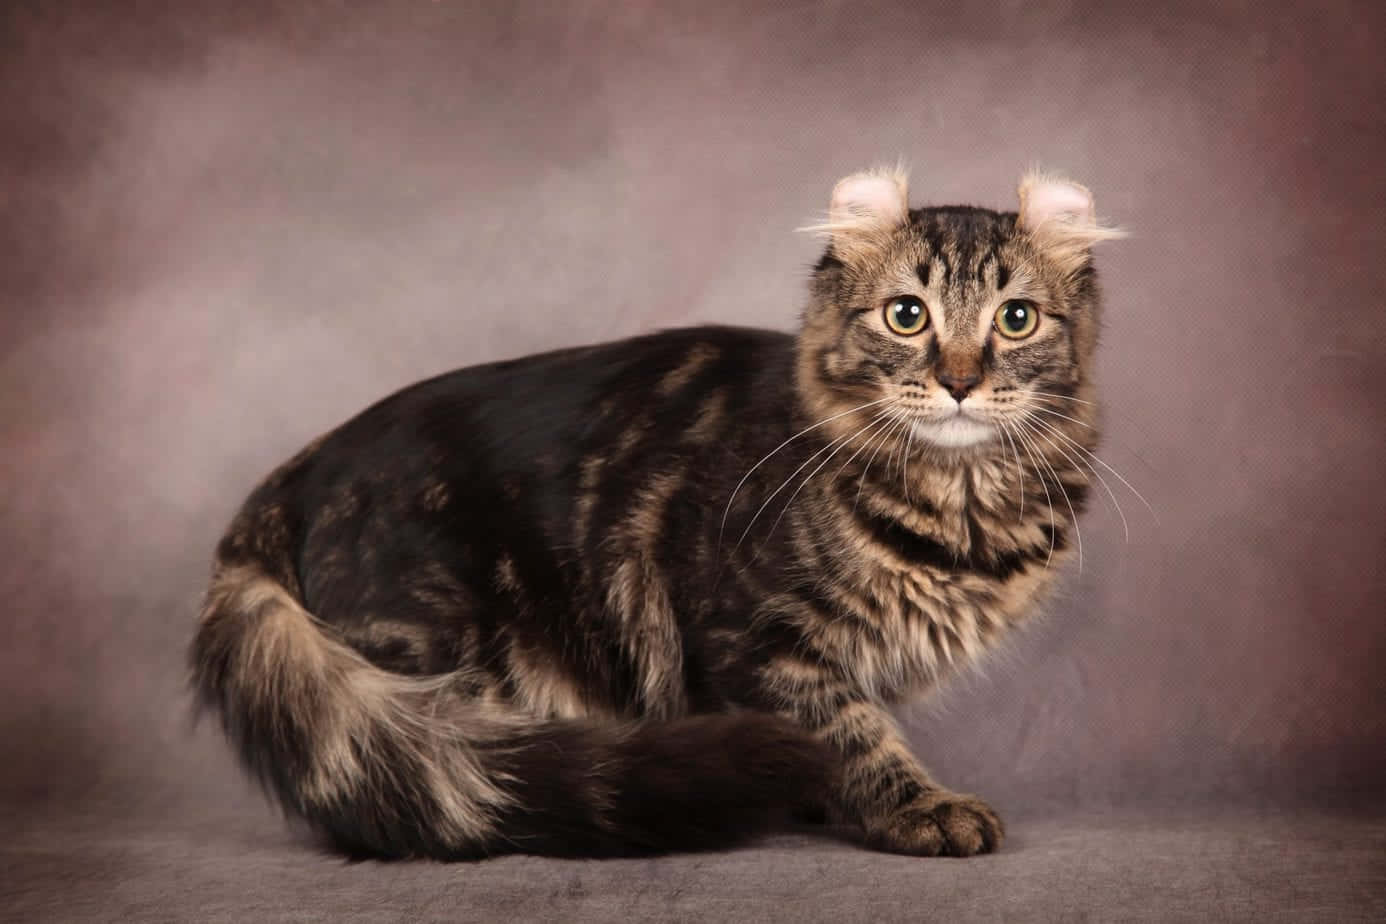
1017,319
906,315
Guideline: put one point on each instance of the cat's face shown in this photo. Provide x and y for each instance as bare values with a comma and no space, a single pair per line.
959,321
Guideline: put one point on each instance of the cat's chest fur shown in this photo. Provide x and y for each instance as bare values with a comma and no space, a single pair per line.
927,575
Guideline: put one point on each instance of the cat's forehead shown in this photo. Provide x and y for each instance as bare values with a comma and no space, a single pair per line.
960,233
953,247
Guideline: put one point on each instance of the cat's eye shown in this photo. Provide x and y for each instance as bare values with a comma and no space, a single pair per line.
906,315
1017,319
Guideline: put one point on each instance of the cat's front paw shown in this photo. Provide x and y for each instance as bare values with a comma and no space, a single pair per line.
939,824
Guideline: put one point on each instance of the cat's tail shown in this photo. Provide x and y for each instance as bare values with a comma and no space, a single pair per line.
401,766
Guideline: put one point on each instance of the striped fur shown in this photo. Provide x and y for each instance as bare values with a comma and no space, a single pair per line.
662,593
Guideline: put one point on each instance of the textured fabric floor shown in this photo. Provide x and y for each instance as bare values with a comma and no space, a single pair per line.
1100,868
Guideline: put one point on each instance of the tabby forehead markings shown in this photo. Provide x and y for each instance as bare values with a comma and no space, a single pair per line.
526,632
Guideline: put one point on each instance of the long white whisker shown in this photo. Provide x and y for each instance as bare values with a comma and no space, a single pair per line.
725,513
1092,455
889,421
905,464
810,475
806,463
1045,410
1125,527
1048,500
1126,417
903,447
1019,473
783,484
899,448
894,448
1059,483
903,421
1050,394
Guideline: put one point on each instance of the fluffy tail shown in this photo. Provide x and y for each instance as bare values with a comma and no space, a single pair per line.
400,766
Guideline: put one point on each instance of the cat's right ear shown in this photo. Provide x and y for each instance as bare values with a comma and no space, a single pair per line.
1061,219
865,207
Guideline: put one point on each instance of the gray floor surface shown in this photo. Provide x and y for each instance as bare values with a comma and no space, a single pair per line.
1238,866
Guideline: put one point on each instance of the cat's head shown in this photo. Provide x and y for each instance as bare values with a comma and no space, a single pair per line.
959,321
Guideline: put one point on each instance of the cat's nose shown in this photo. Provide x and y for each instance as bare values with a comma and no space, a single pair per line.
958,385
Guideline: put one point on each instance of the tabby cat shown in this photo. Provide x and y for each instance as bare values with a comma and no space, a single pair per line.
661,594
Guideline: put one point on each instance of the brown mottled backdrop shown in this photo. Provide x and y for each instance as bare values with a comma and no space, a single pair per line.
226,227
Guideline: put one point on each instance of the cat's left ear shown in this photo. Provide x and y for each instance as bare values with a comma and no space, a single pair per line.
865,207
1060,216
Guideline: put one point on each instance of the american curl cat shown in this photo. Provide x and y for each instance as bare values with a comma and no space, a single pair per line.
661,594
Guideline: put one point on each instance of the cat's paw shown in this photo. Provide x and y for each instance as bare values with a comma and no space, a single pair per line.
939,824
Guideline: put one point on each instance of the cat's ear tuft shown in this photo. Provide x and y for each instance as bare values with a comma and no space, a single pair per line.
1045,199
878,198
1062,219
865,206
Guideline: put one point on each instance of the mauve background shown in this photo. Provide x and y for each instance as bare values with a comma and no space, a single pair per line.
227,227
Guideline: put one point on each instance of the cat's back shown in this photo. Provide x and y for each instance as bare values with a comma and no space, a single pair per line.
518,411
516,444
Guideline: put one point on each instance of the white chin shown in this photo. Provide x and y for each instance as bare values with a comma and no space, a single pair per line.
955,432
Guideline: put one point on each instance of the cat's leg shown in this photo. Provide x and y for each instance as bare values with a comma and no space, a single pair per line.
881,785
899,806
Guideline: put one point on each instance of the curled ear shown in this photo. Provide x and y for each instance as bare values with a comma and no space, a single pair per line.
874,198
865,207
1060,217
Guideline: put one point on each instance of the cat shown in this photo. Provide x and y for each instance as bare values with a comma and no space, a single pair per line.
660,594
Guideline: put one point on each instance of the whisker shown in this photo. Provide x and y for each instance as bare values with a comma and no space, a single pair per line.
889,421
900,449
1125,417
903,421
1048,500
879,418
1094,456
1045,410
1029,408
1020,475
894,448
725,513
1059,483
806,463
905,464
1050,394
1125,527
899,457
